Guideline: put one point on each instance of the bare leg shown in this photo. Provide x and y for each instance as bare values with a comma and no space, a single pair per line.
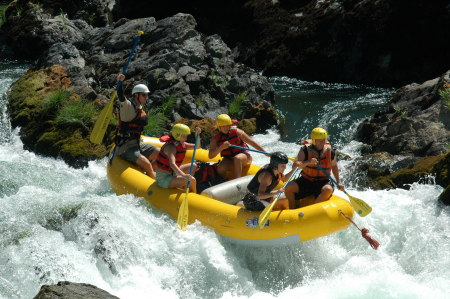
239,161
326,193
290,191
180,182
145,164
223,167
281,204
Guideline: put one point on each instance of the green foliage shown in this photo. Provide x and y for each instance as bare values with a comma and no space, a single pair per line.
64,20
217,79
55,100
91,18
79,113
2,12
37,5
159,117
235,107
199,102
445,96
402,111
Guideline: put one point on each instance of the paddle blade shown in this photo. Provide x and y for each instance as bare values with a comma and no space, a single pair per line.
183,213
98,132
264,216
360,206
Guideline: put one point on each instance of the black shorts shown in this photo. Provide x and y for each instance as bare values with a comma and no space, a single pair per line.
307,188
251,203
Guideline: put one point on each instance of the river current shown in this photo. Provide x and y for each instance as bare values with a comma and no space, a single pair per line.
59,223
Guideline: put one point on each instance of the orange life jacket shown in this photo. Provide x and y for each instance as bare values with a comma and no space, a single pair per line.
233,138
163,160
313,173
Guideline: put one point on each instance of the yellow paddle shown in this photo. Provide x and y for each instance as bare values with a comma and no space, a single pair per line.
183,212
359,205
98,132
264,216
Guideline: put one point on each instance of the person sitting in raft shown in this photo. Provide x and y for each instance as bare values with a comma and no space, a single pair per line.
169,171
234,159
312,180
260,188
132,120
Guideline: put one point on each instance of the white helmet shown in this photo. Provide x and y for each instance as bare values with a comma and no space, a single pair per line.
140,88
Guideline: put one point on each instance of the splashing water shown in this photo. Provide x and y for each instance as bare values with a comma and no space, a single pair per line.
59,223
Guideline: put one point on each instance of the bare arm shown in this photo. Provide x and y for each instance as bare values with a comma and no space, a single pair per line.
170,150
286,176
335,170
265,179
192,145
214,150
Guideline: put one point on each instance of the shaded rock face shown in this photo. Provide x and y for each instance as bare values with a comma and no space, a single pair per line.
382,42
417,122
195,73
71,290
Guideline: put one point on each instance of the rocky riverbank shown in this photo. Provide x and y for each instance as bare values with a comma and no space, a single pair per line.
410,139
191,77
79,47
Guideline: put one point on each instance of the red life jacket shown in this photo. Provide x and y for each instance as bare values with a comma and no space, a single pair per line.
234,139
163,160
312,173
133,129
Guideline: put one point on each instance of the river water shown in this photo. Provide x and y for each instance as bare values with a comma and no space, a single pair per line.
58,223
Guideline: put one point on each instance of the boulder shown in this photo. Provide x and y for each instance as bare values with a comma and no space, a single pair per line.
417,121
71,290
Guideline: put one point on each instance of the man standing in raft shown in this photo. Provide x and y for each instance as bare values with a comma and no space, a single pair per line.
312,180
169,172
234,159
132,120
260,188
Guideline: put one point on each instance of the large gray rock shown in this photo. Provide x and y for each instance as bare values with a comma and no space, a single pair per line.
417,122
71,290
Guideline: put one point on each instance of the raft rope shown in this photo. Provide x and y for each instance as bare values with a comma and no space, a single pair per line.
365,233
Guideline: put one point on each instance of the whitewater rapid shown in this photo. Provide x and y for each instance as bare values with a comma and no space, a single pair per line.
59,223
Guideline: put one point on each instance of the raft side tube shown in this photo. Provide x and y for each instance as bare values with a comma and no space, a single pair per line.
230,192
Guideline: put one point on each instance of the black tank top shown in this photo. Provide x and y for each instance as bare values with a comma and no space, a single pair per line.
253,186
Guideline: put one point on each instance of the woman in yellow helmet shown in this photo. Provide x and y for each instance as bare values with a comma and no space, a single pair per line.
233,158
312,180
169,171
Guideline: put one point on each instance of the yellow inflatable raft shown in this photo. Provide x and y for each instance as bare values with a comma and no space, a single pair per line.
216,207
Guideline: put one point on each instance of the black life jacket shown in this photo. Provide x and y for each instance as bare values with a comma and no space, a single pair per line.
133,129
253,186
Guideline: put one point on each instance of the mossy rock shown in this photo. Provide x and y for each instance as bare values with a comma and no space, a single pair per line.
408,175
442,170
445,196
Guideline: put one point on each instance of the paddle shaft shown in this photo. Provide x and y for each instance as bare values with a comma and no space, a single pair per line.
265,214
124,70
193,159
183,213
104,118
329,176
254,150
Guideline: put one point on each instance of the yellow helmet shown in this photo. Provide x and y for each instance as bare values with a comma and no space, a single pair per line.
223,120
178,130
318,133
